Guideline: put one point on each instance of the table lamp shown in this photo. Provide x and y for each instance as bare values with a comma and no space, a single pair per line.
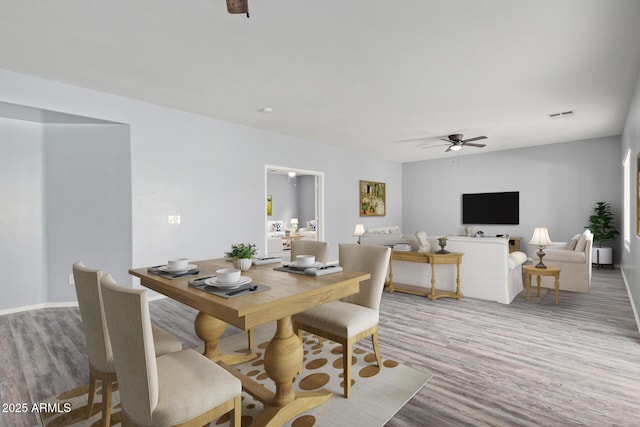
541,239
359,231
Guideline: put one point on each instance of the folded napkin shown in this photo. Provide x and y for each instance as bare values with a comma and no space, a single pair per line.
270,260
329,269
311,271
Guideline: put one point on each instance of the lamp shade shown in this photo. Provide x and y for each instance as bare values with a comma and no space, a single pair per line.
540,237
359,231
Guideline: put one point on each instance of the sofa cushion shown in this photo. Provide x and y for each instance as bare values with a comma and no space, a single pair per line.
516,258
582,242
571,244
563,255
394,229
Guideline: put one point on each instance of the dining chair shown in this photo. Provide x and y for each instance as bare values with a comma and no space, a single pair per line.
355,317
300,247
181,388
310,247
101,366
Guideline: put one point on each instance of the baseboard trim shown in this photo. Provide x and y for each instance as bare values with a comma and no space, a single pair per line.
56,305
633,304
38,306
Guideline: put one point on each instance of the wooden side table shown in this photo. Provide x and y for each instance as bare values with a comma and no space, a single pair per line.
530,270
450,258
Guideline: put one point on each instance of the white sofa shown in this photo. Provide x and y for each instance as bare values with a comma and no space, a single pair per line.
488,270
574,260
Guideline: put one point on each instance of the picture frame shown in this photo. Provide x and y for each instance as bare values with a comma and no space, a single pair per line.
373,198
269,205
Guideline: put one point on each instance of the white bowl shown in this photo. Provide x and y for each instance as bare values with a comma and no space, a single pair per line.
228,276
178,264
305,260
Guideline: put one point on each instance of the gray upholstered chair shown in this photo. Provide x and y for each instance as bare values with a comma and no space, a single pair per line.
310,247
181,388
101,366
355,317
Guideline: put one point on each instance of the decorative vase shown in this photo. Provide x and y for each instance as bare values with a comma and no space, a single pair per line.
469,231
242,263
442,242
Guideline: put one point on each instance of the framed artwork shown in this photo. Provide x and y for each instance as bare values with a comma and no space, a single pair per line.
269,205
373,198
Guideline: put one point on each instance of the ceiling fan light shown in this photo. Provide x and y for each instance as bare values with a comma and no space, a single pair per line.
456,147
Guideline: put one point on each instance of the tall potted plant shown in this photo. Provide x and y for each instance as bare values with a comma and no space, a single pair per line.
603,229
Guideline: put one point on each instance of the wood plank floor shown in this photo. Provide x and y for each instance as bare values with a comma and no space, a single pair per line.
522,364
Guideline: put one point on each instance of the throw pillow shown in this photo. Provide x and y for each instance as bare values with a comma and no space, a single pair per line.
582,242
571,244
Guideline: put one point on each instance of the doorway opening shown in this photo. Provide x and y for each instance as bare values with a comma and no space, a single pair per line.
294,205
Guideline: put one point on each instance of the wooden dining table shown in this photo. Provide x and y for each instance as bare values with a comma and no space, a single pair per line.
289,294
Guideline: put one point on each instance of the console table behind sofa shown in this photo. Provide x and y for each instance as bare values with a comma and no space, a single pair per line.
489,271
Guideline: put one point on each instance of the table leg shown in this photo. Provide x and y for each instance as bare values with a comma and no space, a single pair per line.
539,279
458,293
282,361
557,285
527,285
390,288
432,295
209,329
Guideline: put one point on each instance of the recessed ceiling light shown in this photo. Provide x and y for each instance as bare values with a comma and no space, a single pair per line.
266,110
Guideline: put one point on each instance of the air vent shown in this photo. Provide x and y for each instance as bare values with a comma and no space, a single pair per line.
562,114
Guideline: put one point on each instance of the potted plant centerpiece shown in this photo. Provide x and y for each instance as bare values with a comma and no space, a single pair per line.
603,229
242,255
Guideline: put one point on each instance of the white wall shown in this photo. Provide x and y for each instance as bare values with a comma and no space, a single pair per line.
631,256
559,185
88,201
22,232
209,172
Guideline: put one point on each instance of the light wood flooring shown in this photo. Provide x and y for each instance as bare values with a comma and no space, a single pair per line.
522,364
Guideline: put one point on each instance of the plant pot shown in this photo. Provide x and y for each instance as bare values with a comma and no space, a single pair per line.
242,263
602,255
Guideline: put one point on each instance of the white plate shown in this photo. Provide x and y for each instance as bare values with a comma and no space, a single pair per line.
294,264
214,282
168,269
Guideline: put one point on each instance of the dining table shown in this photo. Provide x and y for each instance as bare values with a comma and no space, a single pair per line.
286,294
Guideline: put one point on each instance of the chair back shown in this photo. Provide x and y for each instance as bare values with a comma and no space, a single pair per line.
127,314
366,259
310,247
87,282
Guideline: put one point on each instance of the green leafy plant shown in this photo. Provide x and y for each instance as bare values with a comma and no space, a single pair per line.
240,250
601,224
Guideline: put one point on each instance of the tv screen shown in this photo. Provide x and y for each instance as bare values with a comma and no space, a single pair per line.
491,208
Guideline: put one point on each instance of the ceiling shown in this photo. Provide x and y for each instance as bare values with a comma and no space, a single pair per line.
382,77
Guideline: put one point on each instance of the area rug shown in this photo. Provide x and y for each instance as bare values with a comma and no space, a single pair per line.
376,394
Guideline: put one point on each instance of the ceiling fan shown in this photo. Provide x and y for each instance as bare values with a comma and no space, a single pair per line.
456,142
238,6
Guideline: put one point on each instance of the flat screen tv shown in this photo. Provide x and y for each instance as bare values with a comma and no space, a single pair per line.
491,208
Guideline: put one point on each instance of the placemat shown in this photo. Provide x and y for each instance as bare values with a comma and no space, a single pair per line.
171,276
229,293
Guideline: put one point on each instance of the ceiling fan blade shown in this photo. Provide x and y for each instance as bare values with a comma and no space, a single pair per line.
433,146
447,140
477,138
475,145
448,149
